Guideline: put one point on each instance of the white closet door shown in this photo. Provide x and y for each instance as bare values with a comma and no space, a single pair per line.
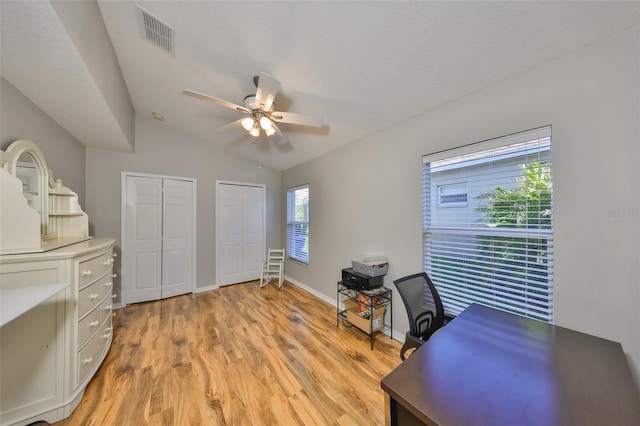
240,232
230,234
253,236
143,239
177,277
158,238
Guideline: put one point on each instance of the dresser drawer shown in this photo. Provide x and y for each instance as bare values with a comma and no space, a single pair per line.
90,296
88,326
92,354
91,269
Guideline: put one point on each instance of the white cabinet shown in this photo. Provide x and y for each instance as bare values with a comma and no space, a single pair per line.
50,346
33,345
50,353
94,311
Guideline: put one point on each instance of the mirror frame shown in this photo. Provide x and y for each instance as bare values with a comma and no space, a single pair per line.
9,161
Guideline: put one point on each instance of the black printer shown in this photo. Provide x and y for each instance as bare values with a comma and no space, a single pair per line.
352,279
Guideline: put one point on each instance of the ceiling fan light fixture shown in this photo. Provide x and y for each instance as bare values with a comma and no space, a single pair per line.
261,114
248,123
265,123
255,131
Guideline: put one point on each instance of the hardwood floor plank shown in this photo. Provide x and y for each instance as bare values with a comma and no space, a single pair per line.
239,355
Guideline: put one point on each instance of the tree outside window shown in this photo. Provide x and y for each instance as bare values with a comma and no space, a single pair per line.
496,249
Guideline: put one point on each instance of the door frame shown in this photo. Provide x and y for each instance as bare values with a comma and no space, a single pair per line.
218,222
123,222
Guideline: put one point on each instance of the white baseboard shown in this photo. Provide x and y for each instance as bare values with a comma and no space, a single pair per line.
207,288
395,335
308,289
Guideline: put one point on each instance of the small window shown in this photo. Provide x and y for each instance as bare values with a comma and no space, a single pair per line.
298,223
452,195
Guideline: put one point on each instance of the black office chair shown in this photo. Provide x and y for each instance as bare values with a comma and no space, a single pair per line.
424,308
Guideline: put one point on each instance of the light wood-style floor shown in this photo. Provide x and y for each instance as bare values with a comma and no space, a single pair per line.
238,355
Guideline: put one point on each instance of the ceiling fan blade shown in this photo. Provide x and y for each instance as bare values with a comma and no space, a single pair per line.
278,137
221,102
300,119
266,91
231,125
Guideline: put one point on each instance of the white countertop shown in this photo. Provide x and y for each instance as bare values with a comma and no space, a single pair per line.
16,301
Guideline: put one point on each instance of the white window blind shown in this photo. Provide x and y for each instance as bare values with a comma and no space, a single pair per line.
498,249
298,223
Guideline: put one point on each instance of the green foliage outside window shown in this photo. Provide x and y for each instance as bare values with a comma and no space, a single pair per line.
517,261
526,206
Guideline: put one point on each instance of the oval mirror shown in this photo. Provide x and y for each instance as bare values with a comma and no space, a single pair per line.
27,171
24,160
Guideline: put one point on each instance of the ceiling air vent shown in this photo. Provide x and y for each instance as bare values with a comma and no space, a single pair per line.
157,31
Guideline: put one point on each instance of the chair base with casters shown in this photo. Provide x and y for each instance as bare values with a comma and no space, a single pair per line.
273,268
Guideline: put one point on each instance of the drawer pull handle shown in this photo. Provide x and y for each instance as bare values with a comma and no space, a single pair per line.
93,296
114,254
87,273
108,308
113,296
94,324
87,360
107,262
109,328
108,284
113,314
106,336
114,275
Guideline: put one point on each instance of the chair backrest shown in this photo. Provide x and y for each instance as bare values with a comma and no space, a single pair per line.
275,255
424,307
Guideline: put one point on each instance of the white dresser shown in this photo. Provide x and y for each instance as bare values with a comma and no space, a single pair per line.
49,350
49,353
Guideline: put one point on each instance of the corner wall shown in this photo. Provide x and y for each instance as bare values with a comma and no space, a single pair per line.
22,119
366,197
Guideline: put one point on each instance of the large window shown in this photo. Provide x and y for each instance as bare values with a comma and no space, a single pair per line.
496,246
298,223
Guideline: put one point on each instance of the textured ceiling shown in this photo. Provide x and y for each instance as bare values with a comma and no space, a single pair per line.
40,59
363,66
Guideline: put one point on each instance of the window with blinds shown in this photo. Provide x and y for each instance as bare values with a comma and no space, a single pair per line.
496,247
298,223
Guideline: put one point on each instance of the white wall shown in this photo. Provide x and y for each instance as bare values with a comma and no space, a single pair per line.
160,150
22,119
366,197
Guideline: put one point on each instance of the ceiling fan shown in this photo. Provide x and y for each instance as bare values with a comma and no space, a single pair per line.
259,108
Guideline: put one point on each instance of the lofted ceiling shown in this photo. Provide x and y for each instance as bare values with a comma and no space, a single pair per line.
363,66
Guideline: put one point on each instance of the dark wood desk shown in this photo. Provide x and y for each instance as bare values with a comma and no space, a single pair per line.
489,367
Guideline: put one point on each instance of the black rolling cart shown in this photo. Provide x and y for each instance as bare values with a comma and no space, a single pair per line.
365,309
